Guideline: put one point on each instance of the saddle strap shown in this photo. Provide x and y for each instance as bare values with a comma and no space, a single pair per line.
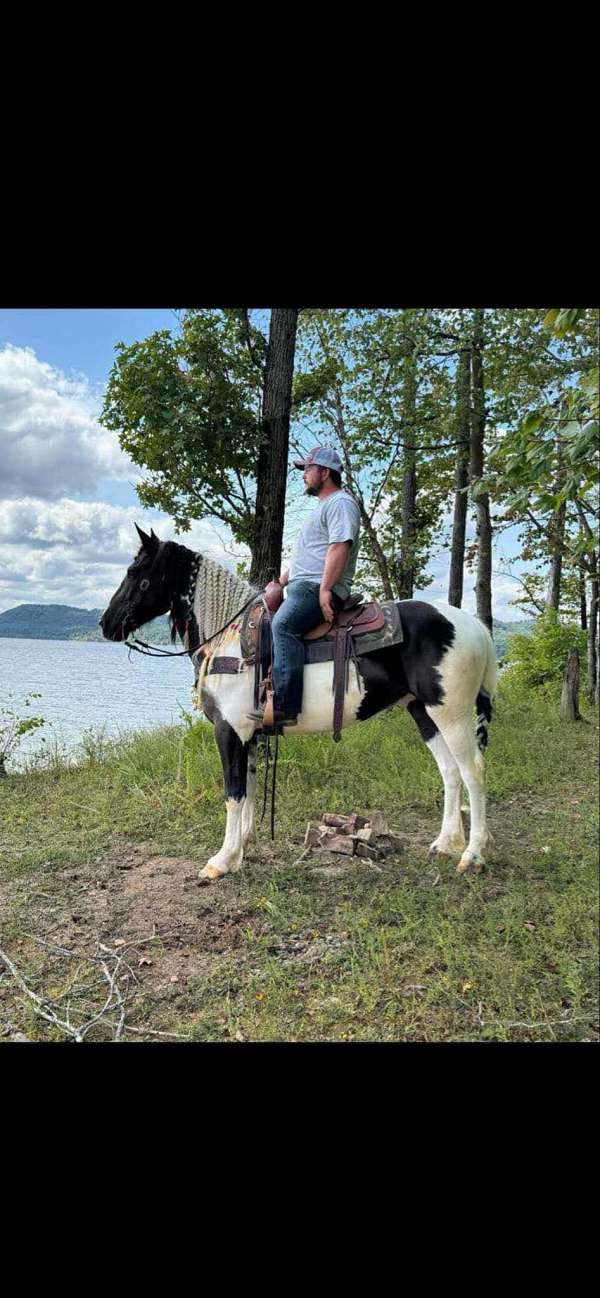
340,670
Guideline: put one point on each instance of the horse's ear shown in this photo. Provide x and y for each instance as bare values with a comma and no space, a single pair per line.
150,543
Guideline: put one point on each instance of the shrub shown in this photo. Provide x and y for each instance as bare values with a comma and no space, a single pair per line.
539,659
13,727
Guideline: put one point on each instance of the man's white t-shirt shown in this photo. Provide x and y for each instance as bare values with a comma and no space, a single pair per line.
336,518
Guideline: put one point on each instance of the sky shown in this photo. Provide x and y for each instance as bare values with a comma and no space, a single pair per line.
67,491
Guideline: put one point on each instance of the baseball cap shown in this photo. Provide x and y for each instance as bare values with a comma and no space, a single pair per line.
325,456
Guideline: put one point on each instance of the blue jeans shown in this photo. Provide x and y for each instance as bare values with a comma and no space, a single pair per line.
300,612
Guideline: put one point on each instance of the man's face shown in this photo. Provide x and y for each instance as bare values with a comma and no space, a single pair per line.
314,478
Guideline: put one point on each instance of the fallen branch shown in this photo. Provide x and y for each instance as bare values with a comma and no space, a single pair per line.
115,1000
38,1003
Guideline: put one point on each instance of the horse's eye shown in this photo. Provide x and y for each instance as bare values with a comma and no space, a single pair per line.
144,584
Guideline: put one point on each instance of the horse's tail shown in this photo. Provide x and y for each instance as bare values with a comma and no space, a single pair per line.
487,690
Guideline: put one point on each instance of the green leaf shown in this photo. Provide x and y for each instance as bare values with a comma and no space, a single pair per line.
531,422
550,319
586,442
566,321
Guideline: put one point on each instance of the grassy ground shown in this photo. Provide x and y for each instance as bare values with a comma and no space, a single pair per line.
319,949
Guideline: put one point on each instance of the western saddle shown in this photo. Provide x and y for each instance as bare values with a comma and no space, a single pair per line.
329,641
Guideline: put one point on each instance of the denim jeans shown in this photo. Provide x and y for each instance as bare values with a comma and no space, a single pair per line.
300,612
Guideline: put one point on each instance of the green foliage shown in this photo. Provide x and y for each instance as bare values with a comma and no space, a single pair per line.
370,383
540,658
187,409
562,322
14,727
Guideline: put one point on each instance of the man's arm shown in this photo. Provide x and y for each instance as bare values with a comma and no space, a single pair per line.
335,565
285,576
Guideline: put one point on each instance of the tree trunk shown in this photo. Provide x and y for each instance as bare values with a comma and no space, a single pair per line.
556,530
461,479
592,633
582,599
272,469
483,583
377,553
373,544
569,703
406,580
557,543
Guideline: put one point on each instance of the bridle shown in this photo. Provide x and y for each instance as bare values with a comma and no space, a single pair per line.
156,651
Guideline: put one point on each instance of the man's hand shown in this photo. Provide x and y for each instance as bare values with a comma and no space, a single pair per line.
326,602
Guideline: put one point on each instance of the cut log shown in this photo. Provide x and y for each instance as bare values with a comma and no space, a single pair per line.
339,843
365,849
346,823
378,823
364,835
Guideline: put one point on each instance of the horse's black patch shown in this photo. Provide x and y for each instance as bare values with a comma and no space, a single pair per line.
234,756
410,667
483,704
427,727
234,753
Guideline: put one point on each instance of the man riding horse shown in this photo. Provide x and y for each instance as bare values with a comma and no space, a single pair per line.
318,580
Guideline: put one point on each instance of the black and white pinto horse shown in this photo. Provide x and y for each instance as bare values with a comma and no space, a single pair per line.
443,669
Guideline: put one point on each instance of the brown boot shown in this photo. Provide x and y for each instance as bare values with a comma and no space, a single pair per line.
272,719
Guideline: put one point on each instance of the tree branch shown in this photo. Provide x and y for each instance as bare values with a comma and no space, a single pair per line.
246,333
507,573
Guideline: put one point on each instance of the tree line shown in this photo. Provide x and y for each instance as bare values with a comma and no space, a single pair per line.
439,415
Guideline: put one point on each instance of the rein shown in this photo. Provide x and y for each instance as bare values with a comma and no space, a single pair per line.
155,651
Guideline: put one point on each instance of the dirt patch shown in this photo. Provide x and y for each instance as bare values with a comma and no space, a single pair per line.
172,926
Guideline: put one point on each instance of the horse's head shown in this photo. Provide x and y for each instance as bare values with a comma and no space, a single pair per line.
147,589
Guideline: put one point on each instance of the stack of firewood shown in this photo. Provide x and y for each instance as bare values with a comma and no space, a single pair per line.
352,835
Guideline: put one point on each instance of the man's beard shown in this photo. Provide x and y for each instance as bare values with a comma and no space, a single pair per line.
313,491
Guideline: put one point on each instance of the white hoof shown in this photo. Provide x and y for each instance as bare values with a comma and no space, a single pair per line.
447,847
471,863
211,872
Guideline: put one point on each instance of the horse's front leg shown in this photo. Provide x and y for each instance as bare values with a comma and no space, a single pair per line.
234,756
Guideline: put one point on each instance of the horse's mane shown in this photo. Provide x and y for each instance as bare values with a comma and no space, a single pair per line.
218,596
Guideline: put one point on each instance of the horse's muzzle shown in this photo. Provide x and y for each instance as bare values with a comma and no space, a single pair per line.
115,630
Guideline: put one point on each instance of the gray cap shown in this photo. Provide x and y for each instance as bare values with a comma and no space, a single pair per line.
324,456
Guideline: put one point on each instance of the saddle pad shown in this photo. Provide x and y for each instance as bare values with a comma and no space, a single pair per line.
322,651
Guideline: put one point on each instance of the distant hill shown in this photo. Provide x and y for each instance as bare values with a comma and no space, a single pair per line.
502,630
62,622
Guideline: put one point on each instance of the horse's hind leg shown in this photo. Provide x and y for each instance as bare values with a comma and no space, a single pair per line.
451,839
234,756
459,734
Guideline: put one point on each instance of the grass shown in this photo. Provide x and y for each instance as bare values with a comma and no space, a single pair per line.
283,951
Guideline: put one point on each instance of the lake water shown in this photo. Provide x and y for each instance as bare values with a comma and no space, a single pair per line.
89,684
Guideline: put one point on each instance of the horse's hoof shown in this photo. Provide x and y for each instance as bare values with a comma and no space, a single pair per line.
210,873
436,854
470,865
446,850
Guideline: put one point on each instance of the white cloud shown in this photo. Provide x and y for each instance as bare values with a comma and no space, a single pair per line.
51,443
76,552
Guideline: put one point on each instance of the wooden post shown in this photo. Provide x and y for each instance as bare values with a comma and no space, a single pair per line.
569,703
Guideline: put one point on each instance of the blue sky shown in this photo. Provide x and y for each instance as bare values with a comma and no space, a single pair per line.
80,341
67,491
